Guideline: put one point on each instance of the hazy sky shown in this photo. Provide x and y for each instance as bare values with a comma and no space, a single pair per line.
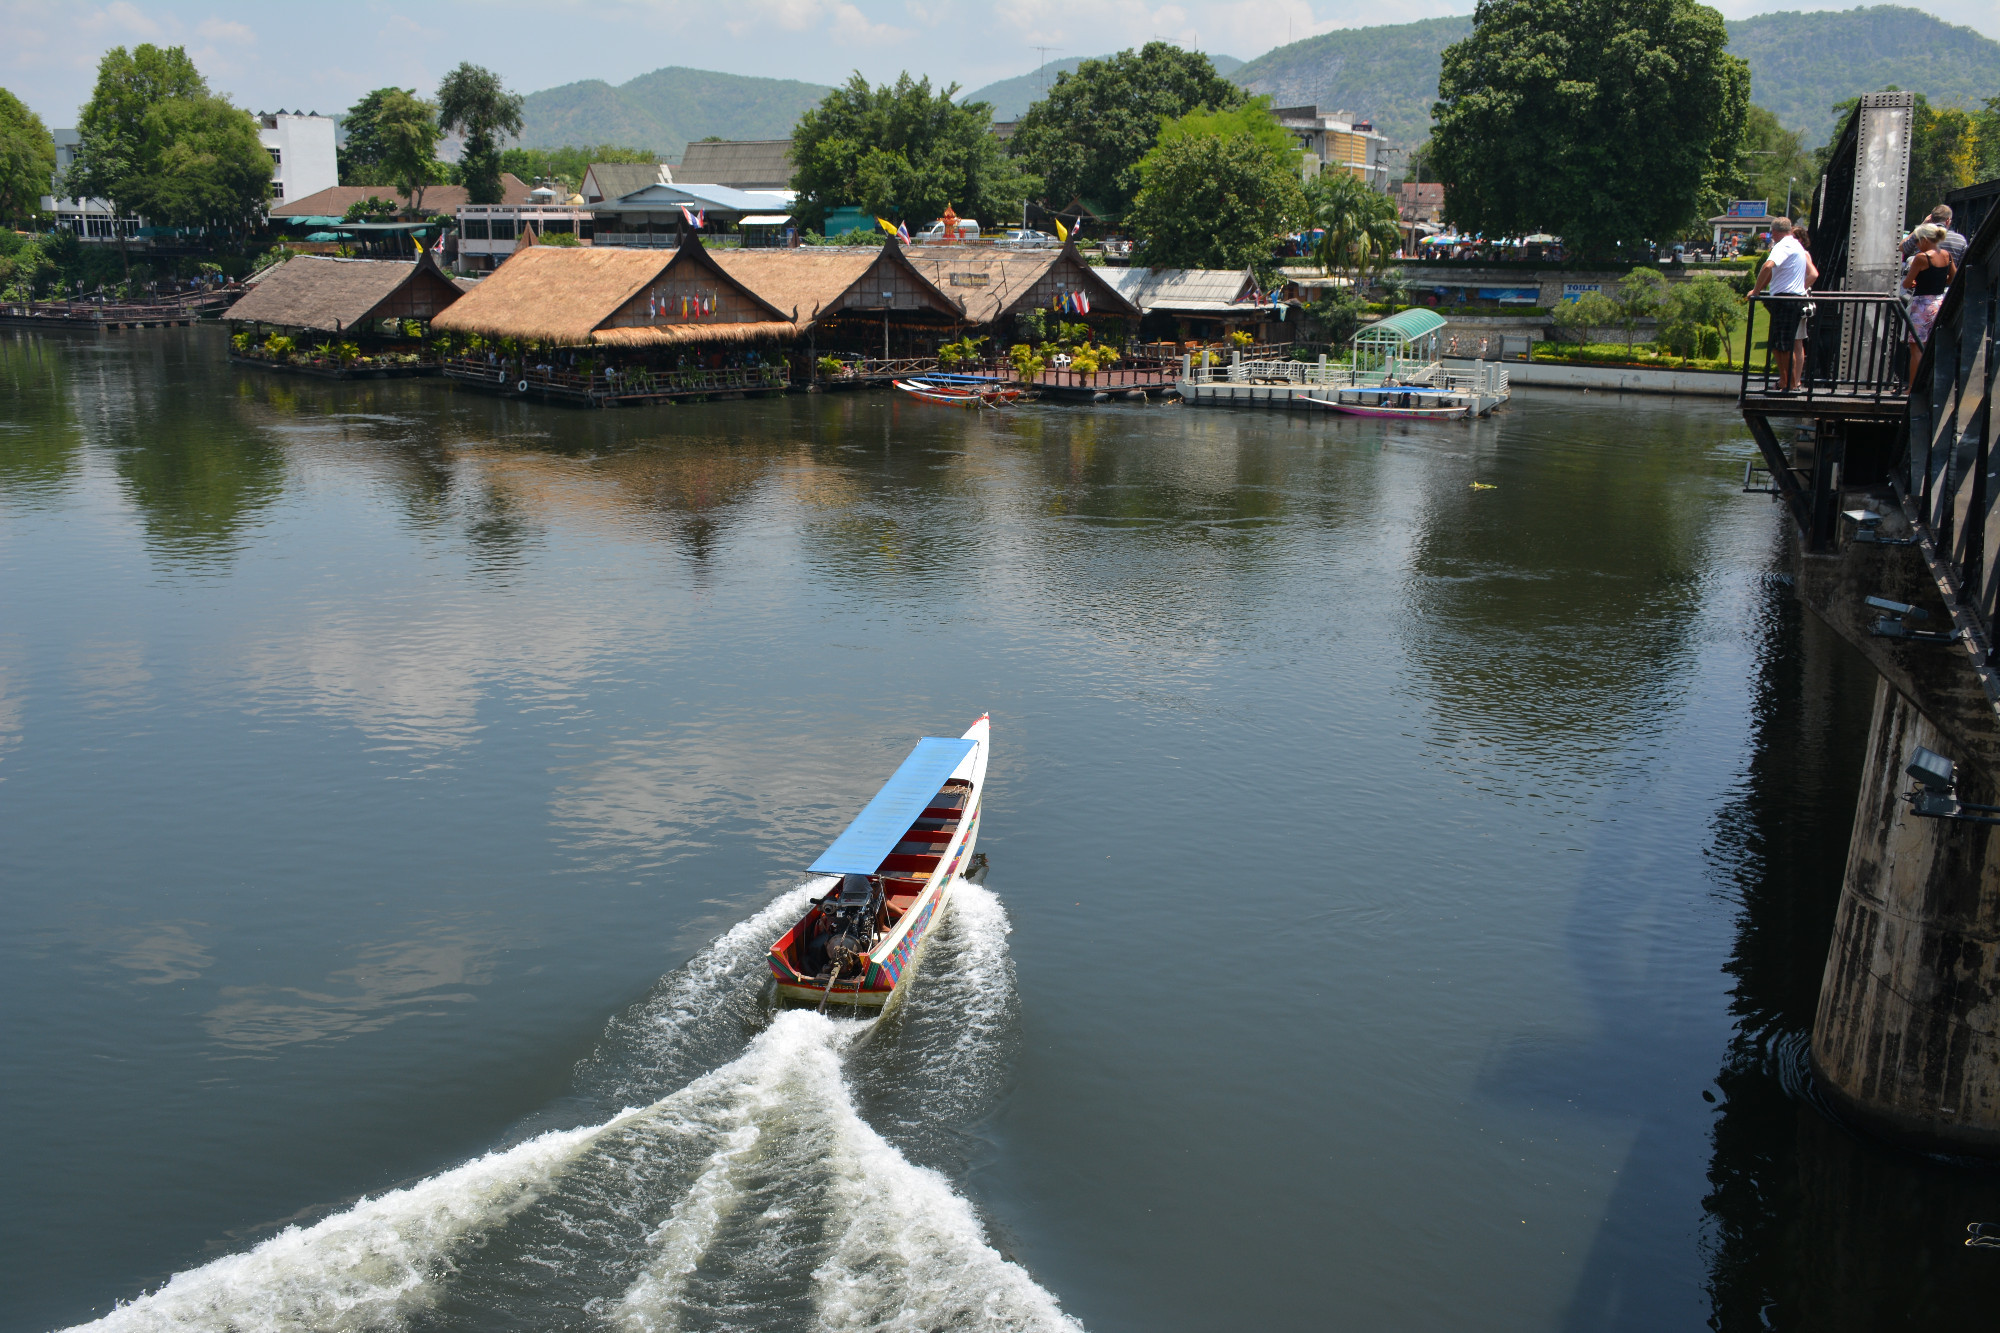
322,57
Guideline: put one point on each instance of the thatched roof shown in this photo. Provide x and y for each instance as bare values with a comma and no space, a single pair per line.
332,295
567,295
817,281
991,282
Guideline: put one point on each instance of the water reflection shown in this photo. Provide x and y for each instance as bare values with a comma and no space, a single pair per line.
1810,1226
389,982
1521,592
41,439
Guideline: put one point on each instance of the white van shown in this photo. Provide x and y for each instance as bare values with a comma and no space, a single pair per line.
968,230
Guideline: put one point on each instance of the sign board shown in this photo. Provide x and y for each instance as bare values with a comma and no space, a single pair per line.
1750,208
970,279
1511,295
1572,290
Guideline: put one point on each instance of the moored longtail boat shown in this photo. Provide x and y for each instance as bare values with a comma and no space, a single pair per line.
958,395
891,873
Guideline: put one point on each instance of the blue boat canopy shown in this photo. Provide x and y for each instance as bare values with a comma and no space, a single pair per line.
884,820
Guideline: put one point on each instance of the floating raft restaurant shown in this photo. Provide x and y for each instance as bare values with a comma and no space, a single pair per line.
604,325
370,303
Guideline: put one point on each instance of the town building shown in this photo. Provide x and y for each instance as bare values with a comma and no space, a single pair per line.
302,153
613,180
1743,221
89,219
655,216
488,233
740,164
1203,304
1337,141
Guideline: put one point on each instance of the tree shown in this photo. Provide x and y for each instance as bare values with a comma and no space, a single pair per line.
1986,124
1209,200
1772,162
1607,121
409,132
210,169
1590,310
1357,225
27,160
115,157
901,151
1642,294
1695,310
364,158
474,102
1087,137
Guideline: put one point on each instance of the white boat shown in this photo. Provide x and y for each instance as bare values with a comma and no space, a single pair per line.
889,879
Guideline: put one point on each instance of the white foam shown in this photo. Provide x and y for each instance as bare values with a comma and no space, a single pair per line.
890,1244
363,1267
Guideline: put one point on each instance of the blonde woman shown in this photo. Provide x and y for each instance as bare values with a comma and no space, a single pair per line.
1927,277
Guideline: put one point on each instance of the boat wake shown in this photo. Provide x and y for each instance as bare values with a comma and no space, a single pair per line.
744,1190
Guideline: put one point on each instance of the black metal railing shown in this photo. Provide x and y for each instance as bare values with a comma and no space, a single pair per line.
1947,474
1856,351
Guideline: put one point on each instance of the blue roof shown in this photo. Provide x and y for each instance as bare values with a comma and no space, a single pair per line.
884,820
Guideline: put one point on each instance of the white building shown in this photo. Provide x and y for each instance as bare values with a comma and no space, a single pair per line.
302,156
1338,141
90,219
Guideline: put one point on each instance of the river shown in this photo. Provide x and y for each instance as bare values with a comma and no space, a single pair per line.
1412,853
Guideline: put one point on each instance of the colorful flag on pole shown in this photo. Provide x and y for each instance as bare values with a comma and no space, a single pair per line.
417,241
885,225
686,216
1082,303
1062,232
903,232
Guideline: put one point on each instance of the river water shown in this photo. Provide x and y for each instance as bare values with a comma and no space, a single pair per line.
1406,905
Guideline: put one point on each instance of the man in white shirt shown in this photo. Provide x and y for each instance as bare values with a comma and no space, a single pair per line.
1788,273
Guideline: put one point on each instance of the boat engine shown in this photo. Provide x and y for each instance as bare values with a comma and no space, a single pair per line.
850,920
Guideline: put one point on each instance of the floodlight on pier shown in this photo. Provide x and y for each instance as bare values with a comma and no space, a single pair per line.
1890,625
1936,793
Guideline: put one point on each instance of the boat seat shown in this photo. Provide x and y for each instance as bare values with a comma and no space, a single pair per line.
900,903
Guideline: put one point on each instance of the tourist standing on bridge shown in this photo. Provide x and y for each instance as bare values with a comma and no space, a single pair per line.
1929,274
1787,274
1953,244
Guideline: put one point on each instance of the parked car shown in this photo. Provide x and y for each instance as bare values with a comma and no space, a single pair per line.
968,230
1027,238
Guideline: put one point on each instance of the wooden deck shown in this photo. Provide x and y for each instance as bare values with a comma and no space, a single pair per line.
96,317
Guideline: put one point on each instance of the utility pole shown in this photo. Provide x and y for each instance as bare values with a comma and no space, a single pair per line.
1042,69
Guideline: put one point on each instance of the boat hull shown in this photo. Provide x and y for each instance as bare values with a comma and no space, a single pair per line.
1408,413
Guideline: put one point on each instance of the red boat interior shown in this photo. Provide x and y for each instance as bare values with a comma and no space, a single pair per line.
893,890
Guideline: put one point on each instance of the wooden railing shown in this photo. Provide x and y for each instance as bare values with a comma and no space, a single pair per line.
602,385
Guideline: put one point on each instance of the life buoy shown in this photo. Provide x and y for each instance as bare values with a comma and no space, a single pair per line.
522,386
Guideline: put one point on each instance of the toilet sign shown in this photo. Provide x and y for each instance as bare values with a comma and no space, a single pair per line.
1572,290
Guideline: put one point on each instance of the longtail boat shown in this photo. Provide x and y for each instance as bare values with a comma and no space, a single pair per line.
889,878
1398,400
955,395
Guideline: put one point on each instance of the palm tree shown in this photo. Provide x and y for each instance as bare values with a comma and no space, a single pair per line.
1358,225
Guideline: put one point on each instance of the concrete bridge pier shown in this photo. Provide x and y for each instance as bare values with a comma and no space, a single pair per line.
1906,1041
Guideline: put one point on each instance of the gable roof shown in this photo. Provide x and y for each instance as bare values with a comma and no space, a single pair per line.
743,164
569,294
1194,290
333,295
992,283
818,282
608,180
335,200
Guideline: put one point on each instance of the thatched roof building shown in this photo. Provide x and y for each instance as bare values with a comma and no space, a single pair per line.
994,284
331,204
345,295
823,283
573,296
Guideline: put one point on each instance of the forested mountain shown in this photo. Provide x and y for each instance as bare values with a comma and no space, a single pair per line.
1010,97
1800,65
665,109
1387,75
